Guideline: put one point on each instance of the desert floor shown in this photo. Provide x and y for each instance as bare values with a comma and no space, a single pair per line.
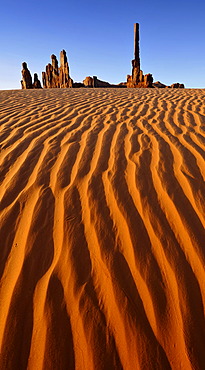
102,239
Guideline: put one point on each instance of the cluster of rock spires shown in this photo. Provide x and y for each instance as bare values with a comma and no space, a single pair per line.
26,82
53,76
58,77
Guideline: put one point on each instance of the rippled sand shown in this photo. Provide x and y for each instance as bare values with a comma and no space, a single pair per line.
102,205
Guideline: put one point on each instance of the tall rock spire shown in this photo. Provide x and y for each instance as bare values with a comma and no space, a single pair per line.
137,79
26,81
136,60
136,43
64,77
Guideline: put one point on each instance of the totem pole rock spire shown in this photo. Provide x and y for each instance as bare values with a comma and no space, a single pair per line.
136,60
136,43
137,79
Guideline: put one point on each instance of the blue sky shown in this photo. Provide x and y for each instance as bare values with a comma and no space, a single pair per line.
98,38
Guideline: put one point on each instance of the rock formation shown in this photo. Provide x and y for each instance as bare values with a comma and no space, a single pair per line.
177,86
49,77
88,82
78,84
95,82
137,79
59,77
136,61
26,81
55,77
148,80
160,85
64,77
36,83
55,73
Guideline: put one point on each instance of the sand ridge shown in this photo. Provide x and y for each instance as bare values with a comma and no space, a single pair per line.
102,229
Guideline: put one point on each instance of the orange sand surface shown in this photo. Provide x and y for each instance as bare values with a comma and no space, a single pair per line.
102,239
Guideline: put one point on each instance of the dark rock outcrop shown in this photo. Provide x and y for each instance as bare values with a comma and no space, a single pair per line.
78,84
159,85
148,80
177,86
36,83
26,81
99,83
122,84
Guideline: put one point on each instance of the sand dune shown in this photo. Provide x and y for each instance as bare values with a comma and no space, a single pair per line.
102,229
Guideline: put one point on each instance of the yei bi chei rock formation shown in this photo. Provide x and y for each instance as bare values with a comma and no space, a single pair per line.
59,77
53,77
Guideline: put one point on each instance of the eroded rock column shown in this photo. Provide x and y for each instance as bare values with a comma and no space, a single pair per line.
26,81
64,77
36,83
55,73
136,60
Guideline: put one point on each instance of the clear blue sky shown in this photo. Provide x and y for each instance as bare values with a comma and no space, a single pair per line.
98,38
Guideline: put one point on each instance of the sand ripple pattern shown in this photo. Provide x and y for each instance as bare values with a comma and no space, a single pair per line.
102,234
